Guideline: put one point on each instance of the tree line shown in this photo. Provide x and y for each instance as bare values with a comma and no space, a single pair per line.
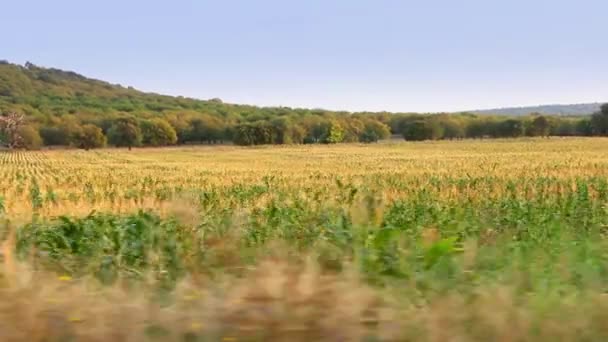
61,108
322,128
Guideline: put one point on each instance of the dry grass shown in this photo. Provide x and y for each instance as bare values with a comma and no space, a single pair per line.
282,301
275,300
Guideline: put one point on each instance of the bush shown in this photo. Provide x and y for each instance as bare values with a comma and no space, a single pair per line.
599,121
334,133
423,130
54,136
257,133
30,138
88,137
158,132
374,131
125,132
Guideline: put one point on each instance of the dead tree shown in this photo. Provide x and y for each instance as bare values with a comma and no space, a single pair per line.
9,129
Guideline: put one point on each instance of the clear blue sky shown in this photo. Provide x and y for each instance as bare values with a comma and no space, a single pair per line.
423,55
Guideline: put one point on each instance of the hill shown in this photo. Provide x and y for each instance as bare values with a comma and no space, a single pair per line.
46,92
56,102
562,110
66,108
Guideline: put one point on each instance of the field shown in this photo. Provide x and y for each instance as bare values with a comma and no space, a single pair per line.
454,240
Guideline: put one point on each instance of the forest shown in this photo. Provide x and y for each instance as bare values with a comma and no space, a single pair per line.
62,108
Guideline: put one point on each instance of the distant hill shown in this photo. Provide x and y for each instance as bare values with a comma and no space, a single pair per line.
45,93
563,110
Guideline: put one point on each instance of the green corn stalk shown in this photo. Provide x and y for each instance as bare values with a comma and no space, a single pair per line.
35,196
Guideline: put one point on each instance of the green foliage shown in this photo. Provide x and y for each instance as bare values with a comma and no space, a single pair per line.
109,245
158,132
89,137
55,136
374,131
352,129
35,196
205,128
423,130
584,127
30,138
599,121
512,229
441,249
59,102
125,132
257,133
478,129
539,127
286,131
333,133
453,129
511,128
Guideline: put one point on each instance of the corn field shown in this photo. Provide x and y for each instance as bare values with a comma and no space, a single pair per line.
432,241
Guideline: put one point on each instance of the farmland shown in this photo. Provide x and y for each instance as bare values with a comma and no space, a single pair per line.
446,240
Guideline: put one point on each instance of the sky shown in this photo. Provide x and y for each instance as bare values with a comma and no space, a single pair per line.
408,55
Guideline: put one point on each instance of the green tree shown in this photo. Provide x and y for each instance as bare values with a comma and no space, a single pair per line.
62,134
415,131
54,136
286,131
244,134
477,128
158,132
564,128
333,133
452,129
316,128
423,130
353,128
256,133
181,127
297,134
599,121
29,138
88,137
584,127
539,127
206,128
374,131
510,128
125,132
